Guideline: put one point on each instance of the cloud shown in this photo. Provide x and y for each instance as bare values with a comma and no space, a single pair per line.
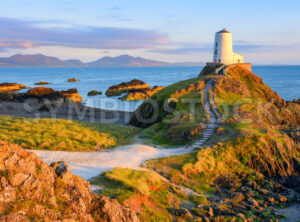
238,46
24,34
184,48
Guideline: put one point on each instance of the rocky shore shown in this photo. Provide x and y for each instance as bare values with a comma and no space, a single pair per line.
44,102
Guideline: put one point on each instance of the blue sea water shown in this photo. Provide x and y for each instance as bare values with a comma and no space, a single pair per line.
285,80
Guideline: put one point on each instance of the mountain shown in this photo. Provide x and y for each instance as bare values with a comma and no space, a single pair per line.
31,60
119,61
125,60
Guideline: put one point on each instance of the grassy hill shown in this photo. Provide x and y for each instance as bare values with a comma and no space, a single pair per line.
246,171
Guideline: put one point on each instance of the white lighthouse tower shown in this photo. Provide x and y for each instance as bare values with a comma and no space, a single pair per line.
223,51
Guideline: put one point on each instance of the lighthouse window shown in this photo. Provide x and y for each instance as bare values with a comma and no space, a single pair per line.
216,44
216,52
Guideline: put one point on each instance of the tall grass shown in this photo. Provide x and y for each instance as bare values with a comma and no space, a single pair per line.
65,135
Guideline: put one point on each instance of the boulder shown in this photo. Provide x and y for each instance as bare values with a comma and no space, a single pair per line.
112,210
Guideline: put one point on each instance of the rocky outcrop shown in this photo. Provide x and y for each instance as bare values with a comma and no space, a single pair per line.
8,87
42,83
140,94
117,90
94,93
73,80
244,199
42,93
32,190
73,95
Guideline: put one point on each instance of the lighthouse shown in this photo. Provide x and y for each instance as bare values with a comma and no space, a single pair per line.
223,51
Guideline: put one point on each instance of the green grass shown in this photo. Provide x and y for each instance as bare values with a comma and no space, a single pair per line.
167,91
168,132
66,135
124,183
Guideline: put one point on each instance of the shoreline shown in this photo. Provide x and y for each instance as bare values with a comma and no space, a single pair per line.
67,110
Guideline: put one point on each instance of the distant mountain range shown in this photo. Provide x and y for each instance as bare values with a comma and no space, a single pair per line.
40,60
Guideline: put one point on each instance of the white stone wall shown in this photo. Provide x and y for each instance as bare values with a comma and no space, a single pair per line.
237,58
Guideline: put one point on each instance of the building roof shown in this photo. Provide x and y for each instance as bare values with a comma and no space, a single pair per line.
223,31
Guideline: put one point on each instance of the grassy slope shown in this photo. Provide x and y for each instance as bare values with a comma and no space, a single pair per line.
249,144
171,132
47,134
145,191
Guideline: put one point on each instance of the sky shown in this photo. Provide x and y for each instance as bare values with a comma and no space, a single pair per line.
265,32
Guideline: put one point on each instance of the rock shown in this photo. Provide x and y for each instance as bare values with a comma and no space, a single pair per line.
112,210
8,87
14,217
211,212
42,93
30,189
226,181
254,203
271,200
184,213
63,171
242,216
7,194
281,198
42,83
73,95
264,191
140,94
10,96
18,179
73,80
123,87
94,93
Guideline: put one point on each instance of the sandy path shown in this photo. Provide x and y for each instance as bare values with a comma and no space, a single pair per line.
90,164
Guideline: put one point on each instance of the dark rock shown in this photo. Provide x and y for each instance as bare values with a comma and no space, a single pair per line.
94,93
123,87
42,93
184,213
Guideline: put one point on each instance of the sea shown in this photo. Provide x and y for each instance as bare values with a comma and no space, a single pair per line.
285,80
